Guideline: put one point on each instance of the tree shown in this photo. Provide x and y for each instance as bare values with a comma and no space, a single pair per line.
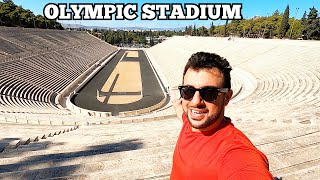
251,25
219,30
40,22
202,31
8,1
296,31
194,31
142,40
304,18
234,28
4,11
131,36
304,24
276,13
211,29
273,24
311,26
13,15
284,26
225,29
188,30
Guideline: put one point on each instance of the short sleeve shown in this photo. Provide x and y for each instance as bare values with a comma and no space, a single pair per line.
245,163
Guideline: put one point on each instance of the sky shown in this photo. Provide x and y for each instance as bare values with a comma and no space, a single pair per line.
250,8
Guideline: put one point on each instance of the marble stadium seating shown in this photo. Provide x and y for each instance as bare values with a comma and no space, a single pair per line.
276,86
39,64
276,103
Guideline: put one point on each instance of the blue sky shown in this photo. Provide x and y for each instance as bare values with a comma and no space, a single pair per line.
250,8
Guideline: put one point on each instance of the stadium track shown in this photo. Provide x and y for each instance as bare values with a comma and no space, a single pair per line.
86,97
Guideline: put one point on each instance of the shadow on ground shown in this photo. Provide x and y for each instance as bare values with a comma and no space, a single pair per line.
56,165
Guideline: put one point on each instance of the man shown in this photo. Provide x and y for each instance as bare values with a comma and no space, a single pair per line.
209,146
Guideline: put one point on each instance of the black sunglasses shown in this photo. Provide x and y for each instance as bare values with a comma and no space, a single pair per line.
208,93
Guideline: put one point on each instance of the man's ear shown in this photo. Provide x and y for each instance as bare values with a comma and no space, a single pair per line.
228,97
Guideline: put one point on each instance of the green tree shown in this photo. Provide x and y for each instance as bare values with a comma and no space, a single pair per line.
13,15
131,36
202,31
5,9
8,1
26,18
194,31
219,30
41,22
251,25
284,26
304,24
142,40
211,29
272,25
311,26
296,31
276,13
189,30
225,29
234,28
304,18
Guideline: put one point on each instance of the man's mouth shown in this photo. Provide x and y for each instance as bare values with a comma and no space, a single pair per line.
197,114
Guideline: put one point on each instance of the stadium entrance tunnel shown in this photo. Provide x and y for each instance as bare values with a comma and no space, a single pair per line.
126,85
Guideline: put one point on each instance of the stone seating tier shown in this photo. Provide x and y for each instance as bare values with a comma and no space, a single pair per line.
48,62
275,76
145,150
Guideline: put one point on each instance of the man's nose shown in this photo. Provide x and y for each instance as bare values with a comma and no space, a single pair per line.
196,98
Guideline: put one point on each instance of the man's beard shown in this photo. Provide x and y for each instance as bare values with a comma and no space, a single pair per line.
210,120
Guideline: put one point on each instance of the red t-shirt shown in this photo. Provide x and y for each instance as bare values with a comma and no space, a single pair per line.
222,153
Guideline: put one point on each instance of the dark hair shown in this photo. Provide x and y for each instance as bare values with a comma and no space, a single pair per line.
204,60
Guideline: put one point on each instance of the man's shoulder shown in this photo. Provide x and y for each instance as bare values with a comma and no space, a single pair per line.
240,153
232,133
244,161
241,158
235,142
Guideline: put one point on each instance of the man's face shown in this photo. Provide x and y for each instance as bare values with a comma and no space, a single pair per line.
202,115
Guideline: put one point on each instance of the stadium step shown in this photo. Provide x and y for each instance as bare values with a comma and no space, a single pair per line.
280,136
17,135
147,163
103,151
301,171
298,158
277,107
286,144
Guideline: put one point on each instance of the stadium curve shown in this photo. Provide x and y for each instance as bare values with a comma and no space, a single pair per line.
126,83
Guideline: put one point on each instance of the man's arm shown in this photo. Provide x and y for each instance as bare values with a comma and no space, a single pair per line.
177,104
245,164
